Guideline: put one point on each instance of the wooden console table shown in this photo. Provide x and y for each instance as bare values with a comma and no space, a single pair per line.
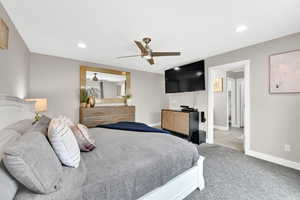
91,117
184,123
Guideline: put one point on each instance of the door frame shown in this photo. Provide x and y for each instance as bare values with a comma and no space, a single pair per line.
240,119
228,67
232,102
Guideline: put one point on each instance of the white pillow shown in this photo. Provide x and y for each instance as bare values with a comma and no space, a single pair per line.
64,143
66,120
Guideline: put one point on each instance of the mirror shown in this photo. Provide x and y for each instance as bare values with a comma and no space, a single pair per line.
106,85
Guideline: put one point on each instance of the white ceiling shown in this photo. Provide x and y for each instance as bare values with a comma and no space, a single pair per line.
197,28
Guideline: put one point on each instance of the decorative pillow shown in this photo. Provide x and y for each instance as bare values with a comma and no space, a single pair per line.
8,185
68,122
64,143
32,161
85,142
42,125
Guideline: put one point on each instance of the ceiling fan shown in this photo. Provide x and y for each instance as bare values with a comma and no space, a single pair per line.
147,53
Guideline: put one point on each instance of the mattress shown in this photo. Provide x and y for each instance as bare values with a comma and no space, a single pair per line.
127,164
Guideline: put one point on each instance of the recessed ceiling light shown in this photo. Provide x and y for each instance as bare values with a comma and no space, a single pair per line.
241,28
81,45
176,68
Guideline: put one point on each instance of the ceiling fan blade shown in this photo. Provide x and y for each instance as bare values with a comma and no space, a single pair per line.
156,54
128,56
141,47
151,61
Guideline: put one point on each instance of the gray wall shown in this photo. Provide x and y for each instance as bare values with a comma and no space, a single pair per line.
57,79
14,62
220,102
274,117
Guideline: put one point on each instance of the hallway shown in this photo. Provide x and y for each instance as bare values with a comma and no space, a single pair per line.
233,138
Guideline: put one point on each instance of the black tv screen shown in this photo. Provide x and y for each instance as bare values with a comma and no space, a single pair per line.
186,78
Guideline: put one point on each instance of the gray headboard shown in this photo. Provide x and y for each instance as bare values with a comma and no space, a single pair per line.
13,109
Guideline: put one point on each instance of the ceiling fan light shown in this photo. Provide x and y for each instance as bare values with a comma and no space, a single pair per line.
95,77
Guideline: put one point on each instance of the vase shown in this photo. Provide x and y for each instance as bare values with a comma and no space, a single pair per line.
129,102
92,101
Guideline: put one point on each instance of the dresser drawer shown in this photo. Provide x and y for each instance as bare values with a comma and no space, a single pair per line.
92,117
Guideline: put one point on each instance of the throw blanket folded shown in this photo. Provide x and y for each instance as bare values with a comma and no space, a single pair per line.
132,126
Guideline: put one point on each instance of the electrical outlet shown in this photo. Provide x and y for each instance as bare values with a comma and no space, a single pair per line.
287,147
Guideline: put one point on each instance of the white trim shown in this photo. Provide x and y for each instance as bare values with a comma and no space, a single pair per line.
240,85
222,128
228,67
154,124
227,110
233,100
181,186
274,159
235,126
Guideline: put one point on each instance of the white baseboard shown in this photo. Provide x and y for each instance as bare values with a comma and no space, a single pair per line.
222,128
274,159
154,124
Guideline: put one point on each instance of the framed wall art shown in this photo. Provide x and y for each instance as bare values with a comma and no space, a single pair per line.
3,35
284,72
218,85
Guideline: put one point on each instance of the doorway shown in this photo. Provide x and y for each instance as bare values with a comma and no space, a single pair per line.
229,106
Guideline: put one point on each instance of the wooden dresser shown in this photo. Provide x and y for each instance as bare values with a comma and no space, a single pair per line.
185,123
91,117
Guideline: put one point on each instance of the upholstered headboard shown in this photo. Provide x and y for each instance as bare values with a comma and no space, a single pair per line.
13,109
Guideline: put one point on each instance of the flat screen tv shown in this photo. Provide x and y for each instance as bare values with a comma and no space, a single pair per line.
186,78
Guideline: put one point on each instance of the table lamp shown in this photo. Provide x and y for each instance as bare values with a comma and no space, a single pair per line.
39,106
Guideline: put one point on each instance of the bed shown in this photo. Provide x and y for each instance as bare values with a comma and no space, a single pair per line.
126,164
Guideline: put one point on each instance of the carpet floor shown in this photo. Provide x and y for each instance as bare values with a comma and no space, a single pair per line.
231,175
231,138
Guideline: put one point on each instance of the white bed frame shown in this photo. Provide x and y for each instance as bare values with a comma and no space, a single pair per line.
13,109
181,186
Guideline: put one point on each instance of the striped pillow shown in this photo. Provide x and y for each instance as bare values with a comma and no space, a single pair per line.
66,120
64,143
85,142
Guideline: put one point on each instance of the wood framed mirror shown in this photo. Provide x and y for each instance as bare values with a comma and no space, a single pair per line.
106,85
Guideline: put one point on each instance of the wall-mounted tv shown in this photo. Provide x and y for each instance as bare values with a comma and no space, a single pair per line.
186,78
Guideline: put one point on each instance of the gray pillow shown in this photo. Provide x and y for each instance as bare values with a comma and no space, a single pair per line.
72,183
8,185
32,161
42,125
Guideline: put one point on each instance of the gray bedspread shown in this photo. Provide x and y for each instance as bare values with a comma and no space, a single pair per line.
126,164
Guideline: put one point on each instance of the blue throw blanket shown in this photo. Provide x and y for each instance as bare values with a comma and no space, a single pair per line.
132,126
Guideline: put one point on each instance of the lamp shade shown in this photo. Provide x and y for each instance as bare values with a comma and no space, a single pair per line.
40,104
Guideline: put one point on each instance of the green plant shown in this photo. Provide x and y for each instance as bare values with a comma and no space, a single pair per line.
126,97
84,97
